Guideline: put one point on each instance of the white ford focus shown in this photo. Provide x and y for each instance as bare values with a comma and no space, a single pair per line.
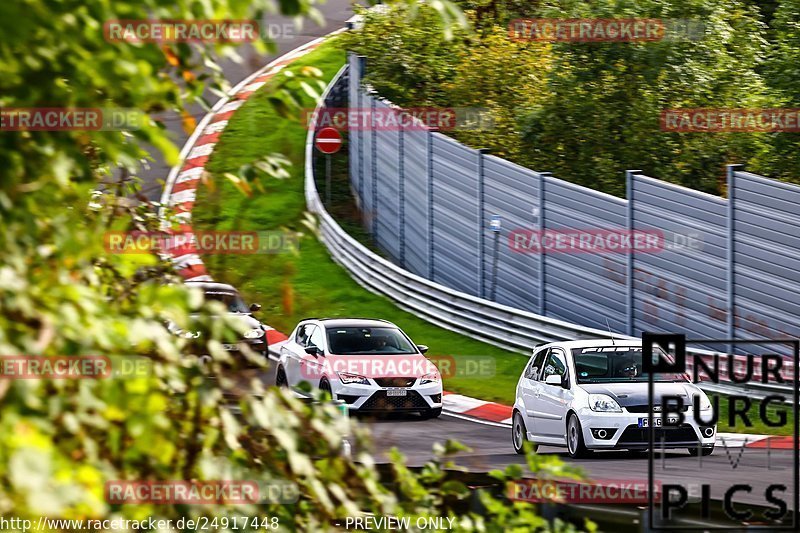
371,365
593,395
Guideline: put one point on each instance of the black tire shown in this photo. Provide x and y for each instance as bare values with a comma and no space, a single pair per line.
436,412
519,434
575,444
280,378
704,451
325,386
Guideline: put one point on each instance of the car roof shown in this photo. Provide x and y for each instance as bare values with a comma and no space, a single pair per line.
355,323
211,285
593,343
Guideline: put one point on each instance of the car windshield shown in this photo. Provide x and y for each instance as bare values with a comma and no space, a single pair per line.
232,301
606,364
360,341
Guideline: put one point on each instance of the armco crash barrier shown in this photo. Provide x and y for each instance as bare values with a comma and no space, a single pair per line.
489,321
729,269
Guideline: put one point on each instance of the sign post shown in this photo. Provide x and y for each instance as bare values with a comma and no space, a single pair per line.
328,141
495,223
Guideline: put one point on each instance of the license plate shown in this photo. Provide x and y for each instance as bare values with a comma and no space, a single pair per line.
643,422
230,347
396,392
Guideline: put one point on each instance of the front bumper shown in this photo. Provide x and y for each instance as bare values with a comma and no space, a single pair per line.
374,398
613,431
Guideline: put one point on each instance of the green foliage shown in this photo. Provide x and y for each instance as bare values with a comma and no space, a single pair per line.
589,111
412,64
63,294
603,116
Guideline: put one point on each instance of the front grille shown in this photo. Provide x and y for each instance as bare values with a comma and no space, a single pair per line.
395,382
381,402
646,408
633,434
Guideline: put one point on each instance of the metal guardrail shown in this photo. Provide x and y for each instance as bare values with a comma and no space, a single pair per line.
475,317
488,321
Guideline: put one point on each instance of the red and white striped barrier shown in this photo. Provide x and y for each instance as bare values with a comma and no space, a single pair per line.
180,190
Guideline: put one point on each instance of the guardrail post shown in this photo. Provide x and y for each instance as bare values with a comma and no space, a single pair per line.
542,226
730,171
373,214
361,63
401,186
431,269
481,226
629,174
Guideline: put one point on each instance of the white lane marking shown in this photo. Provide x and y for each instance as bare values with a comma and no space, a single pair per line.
738,440
475,420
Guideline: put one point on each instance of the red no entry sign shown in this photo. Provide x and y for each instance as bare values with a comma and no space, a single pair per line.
329,140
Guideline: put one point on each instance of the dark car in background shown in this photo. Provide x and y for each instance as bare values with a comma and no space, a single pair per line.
254,332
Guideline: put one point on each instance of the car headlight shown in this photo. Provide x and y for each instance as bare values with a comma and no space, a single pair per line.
349,379
431,377
603,403
256,333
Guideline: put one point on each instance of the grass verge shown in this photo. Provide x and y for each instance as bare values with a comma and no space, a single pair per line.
291,287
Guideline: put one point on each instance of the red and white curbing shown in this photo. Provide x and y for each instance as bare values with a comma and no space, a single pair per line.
501,414
180,190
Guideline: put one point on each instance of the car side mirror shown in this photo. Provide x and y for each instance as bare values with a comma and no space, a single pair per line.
255,308
555,379
313,350
422,348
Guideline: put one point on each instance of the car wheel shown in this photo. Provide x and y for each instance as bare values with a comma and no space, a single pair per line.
325,386
432,413
704,451
280,378
519,434
575,445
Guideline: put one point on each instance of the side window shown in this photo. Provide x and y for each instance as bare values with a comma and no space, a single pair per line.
554,365
303,333
535,366
317,338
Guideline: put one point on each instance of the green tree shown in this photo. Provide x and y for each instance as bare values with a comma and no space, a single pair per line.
606,98
63,294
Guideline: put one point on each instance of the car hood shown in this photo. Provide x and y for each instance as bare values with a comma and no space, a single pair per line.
381,365
635,393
